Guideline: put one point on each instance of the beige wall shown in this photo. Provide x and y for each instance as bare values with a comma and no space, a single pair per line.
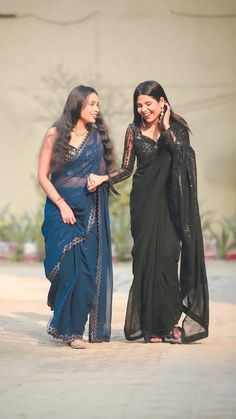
116,45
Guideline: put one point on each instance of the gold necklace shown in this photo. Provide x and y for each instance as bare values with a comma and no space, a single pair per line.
80,133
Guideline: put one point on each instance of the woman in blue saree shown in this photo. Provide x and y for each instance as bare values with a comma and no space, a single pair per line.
76,221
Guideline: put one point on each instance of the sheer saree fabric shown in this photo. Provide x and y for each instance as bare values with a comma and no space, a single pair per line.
164,222
78,257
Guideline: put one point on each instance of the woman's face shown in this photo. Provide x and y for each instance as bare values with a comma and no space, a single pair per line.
90,109
149,108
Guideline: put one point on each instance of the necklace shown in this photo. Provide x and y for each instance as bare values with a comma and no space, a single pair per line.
80,133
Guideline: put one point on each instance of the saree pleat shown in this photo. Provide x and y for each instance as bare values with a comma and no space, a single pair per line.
154,303
78,257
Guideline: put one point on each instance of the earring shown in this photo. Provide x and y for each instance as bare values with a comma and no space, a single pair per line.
143,123
161,114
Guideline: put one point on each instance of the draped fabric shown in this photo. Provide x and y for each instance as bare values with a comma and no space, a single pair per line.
164,223
78,257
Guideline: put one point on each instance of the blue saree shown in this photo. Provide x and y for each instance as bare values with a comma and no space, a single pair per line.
78,257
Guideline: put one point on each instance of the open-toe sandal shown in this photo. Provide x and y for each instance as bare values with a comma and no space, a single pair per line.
175,335
77,344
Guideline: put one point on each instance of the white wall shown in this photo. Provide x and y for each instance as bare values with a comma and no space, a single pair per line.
117,45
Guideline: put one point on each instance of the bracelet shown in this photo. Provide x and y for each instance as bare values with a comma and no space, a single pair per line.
59,200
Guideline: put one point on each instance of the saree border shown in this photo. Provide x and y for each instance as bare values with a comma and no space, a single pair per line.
93,318
74,242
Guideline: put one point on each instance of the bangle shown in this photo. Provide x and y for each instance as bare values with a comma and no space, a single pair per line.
59,200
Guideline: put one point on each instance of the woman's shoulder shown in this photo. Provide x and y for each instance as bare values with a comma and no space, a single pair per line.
52,132
132,127
50,136
178,126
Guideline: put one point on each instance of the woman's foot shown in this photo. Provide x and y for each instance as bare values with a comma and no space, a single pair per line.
77,344
155,340
175,335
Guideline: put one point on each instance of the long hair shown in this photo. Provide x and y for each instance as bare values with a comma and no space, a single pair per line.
154,89
67,121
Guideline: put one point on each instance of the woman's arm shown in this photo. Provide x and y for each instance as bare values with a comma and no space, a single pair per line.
176,137
44,163
126,168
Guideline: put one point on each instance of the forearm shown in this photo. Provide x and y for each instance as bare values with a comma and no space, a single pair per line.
104,178
170,139
49,189
122,174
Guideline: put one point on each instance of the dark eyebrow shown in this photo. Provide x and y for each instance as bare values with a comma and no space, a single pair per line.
139,103
93,101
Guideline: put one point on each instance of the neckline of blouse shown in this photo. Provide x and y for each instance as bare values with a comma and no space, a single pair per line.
83,142
149,138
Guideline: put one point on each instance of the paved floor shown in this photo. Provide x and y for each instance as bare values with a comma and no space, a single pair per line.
118,380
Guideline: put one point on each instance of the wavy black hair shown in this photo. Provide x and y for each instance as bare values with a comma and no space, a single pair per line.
154,89
67,121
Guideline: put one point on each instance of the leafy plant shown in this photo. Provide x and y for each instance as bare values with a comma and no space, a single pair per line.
5,224
207,218
120,221
20,232
120,232
224,237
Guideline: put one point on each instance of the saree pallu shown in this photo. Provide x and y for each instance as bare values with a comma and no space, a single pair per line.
78,257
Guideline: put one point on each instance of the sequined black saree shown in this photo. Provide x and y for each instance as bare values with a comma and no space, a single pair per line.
165,224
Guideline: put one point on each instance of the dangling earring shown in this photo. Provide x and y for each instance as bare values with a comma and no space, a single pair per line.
161,114
143,123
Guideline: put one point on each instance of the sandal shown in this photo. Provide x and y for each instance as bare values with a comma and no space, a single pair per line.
77,344
175,335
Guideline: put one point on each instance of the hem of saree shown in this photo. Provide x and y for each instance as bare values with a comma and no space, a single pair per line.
189,339
65,338
99,340
130,338
194,338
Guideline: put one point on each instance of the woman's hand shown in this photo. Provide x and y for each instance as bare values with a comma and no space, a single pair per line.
94,181
166,117
67,213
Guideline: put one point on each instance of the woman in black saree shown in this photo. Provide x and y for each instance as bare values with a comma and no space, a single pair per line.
162,305
76,221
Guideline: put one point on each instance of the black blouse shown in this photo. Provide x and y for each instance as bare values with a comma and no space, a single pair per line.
143,148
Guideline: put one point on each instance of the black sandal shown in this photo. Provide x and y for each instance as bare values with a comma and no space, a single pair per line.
175,335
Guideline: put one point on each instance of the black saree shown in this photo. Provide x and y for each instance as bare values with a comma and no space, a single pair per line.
165,223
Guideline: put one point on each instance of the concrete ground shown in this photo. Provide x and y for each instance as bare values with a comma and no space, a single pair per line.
40,378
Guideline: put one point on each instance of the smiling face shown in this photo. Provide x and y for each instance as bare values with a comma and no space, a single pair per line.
149,108
90,109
